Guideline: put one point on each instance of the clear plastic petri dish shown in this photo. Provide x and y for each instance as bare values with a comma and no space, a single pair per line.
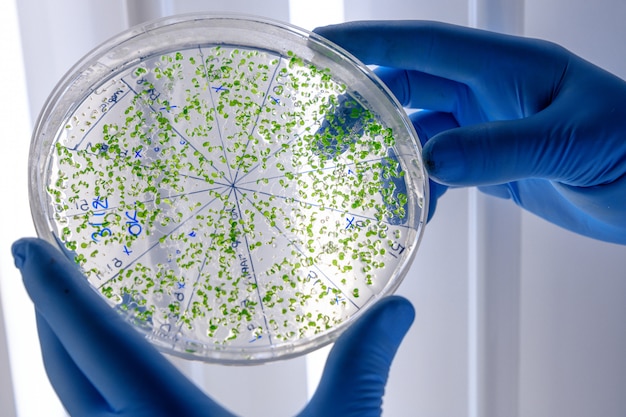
239,189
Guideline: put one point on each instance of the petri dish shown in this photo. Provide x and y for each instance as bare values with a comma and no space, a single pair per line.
239,189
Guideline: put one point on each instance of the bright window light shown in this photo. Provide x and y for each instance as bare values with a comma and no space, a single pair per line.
311,14
32,392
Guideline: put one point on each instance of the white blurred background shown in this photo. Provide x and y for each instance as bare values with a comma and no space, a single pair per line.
514,317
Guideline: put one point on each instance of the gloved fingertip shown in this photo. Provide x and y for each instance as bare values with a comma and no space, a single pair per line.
319,30
19,250
444,162
396,317
22,249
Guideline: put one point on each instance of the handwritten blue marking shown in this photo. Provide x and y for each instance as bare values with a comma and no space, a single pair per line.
167,107
134,227
100,202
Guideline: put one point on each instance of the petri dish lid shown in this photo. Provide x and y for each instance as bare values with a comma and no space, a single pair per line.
239,189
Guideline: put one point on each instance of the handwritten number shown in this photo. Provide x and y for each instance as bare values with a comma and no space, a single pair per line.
104,232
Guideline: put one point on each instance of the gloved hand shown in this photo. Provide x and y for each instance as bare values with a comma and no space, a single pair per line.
100,366
520,118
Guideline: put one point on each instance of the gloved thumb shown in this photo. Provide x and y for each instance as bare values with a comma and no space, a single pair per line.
495,152
357,368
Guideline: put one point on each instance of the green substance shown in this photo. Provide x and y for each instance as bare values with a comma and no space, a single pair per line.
194,198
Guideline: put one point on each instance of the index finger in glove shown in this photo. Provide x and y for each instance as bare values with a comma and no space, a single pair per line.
454,52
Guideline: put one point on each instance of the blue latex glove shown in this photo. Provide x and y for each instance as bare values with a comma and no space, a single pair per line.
538,124
100,366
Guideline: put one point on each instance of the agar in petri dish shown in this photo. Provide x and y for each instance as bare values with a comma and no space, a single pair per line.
239,189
